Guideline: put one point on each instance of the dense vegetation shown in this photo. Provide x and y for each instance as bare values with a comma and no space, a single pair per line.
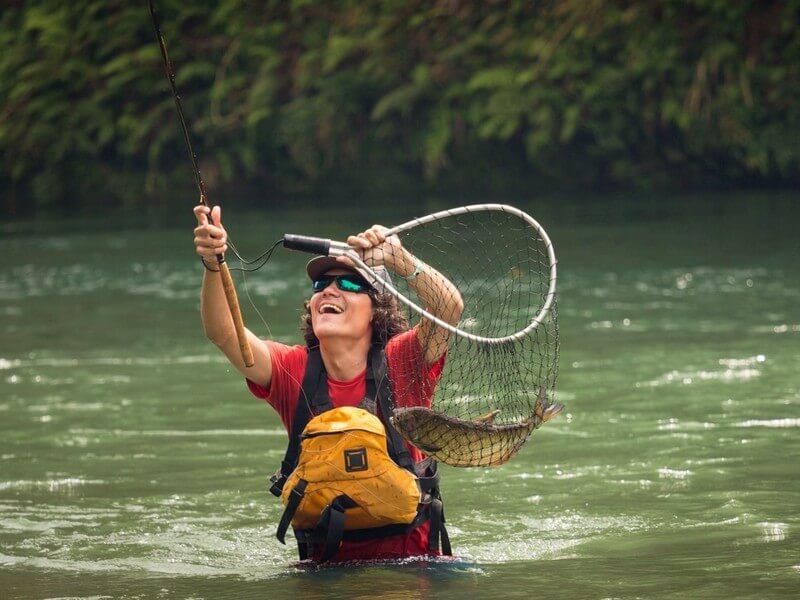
308,95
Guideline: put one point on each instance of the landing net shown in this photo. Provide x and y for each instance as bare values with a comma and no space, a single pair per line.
501,364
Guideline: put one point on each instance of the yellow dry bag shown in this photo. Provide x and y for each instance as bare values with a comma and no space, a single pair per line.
344,465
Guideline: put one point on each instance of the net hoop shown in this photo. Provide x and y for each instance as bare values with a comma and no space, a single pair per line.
341,249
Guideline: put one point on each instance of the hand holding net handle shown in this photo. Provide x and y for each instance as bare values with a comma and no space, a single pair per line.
326,247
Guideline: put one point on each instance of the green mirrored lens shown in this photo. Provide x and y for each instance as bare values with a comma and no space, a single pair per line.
320,284
347,283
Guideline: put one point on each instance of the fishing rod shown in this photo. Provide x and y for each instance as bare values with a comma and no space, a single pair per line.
225,274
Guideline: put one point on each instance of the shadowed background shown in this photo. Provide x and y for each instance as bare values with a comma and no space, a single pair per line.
302,99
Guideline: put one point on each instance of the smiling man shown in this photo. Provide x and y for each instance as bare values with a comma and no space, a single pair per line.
356,340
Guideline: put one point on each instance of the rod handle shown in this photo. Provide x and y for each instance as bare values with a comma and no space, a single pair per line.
236,313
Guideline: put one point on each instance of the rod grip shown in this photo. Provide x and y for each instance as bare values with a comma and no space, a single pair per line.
236,314
305,243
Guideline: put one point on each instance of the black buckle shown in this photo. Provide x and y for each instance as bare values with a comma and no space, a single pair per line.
278,480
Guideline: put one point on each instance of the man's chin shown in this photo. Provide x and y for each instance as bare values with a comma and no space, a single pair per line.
327,329
333,331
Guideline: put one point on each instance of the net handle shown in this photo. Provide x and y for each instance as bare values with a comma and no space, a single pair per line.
342,249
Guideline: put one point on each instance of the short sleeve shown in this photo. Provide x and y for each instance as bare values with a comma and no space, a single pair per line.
288,367
413,379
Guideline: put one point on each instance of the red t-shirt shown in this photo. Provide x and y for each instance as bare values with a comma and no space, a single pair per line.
412,382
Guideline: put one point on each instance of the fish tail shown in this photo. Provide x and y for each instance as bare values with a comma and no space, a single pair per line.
552,410
544,410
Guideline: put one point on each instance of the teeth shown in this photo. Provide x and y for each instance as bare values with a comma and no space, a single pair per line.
332,307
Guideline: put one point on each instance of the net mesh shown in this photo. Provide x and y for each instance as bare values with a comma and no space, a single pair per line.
490,396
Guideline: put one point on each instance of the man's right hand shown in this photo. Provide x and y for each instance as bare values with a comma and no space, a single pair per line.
209,239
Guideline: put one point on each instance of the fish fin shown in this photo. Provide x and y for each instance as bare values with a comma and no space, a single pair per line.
544,410
552,410
428,448
488,418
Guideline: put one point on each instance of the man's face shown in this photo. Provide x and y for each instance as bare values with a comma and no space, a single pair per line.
339,314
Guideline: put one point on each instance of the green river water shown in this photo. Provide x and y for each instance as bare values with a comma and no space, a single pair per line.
133,462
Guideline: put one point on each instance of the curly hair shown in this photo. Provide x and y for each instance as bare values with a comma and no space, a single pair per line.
387,320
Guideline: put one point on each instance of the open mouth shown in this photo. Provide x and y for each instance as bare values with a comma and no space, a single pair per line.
330,309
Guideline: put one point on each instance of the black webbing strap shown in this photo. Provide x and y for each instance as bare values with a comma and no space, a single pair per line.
305,542
429,484
438,530
302,548
383,398
333,522
295,498
374,533
313,397
315,384
331,530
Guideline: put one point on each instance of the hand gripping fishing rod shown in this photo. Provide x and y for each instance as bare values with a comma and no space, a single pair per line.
225,274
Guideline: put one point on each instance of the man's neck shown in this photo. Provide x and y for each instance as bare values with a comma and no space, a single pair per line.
344,359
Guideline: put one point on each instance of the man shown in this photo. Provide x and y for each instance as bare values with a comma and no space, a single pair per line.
345,318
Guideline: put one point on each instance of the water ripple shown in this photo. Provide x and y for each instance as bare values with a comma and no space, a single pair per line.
125,433
774,423
66,484
736,369
773,532
135,361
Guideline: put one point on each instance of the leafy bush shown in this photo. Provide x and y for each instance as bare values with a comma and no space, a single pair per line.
300,94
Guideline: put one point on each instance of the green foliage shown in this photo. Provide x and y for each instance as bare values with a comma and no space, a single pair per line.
296,94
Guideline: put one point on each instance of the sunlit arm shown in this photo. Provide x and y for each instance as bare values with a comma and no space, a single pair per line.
436,293
211,240
438,296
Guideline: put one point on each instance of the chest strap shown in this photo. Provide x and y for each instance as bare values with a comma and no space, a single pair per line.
314,376
378,377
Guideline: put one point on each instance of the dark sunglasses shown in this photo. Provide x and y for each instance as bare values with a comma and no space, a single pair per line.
346,283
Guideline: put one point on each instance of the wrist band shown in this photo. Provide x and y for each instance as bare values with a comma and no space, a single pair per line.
417,270
207,267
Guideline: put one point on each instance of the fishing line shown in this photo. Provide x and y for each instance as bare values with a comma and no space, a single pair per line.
246,265
228,285
201,188
264,257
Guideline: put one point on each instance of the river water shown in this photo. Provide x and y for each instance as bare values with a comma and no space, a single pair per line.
133,462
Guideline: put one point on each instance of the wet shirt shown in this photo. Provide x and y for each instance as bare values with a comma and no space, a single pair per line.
412,382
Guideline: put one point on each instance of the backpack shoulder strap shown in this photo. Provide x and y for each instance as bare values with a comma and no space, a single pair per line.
378,380
426,470
314,392
314,398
